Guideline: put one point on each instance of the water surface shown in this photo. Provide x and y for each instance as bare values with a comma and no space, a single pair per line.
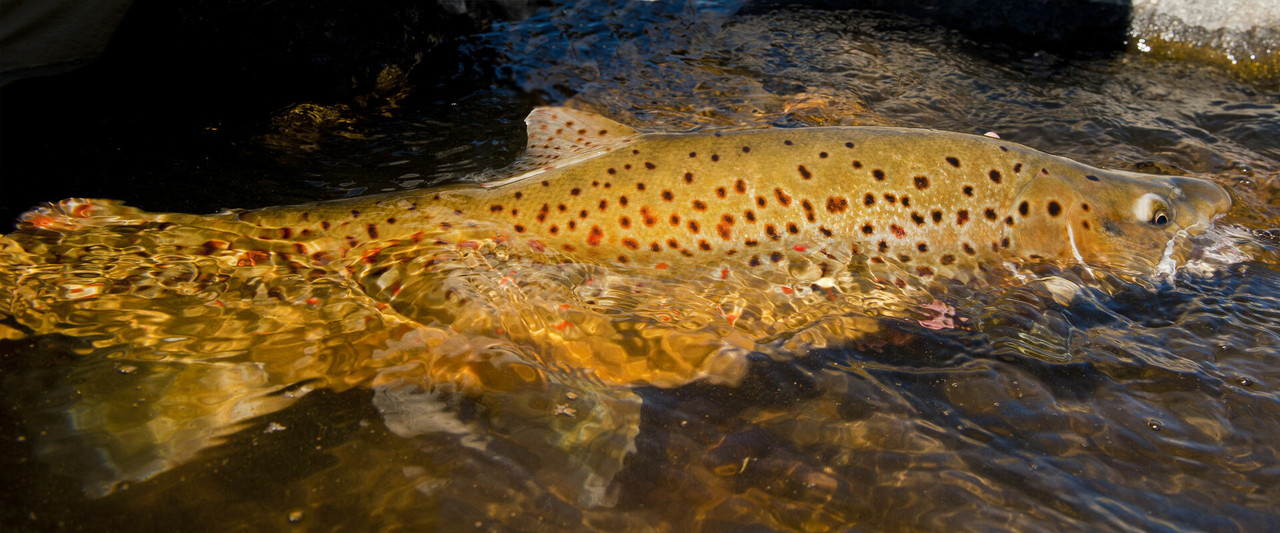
1145,403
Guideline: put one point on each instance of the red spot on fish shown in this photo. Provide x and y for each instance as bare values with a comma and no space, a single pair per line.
787,290
799,247
82,210
594,237
562,325
313,301
537,246
724,273
898,231
660,266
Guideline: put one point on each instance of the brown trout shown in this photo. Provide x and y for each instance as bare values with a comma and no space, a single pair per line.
603,258
595,190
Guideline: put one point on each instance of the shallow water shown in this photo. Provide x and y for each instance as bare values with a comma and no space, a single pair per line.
1141,403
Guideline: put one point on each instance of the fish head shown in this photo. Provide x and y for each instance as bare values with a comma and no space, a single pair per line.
1100,217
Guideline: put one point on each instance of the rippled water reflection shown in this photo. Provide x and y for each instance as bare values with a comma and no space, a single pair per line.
1139,403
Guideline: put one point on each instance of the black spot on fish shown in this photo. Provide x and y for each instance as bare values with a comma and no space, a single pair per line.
693,226
754,261
604,204
624,222
649,165
936,216
1017,168
968,249
947,259
962,216
721,192
868,229
924,271
837,204
693,154
1024,209
792,228
1091,177
967,190
857,164
740,186
775,257
749,215
675,219
1004,243
788,143
519,195
953,161
519,228
668,196
822,155
760,201
623,259
824,231
672,243
882,246
878,174
575,191
922,182
922,247
640,186
783,197
891,198
750,242
1008,221
869,200
700,205
804,172
848,145
622,200
704,245
771,231
746,149
994,175
715,157
904,258
372,229
655,247
495,208
1055,208
917,218
688,177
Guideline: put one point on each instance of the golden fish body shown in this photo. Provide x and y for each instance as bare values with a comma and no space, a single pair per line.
932,202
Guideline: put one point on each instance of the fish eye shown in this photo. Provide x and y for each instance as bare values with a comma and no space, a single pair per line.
1152,209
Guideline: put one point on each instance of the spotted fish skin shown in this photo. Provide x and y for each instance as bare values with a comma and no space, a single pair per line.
930,202
934,202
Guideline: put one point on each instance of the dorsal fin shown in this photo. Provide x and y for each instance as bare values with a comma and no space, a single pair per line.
560,136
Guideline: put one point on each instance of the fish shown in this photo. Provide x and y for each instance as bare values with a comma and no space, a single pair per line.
574,272
595,190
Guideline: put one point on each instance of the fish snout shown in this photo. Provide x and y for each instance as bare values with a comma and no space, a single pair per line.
1207,200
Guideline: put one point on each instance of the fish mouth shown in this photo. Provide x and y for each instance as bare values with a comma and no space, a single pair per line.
1208,200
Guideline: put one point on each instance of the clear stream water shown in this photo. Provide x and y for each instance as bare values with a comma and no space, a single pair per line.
1143,404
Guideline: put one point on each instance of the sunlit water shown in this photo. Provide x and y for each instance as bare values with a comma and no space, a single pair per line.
1059,398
